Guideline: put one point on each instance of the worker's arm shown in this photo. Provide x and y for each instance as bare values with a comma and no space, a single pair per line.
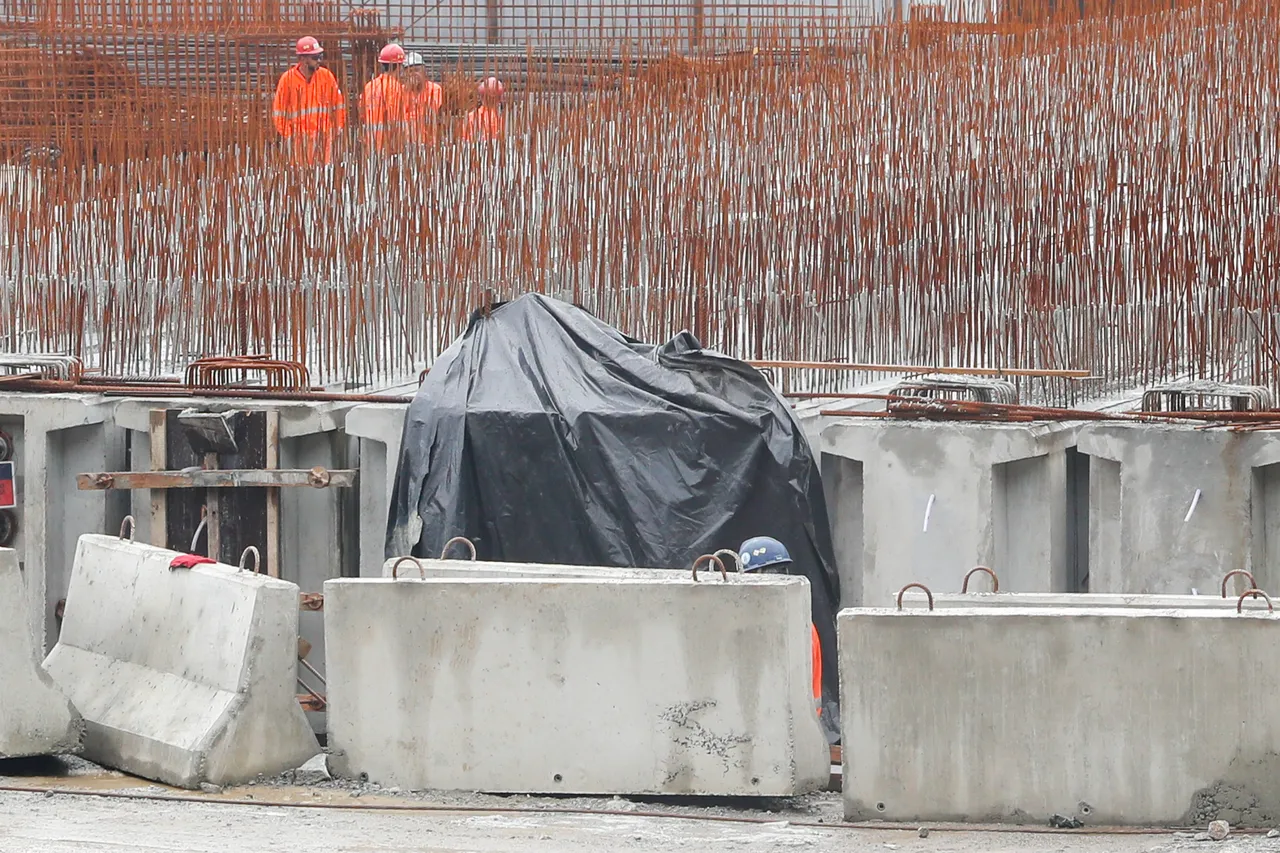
367,107
339,106
281,105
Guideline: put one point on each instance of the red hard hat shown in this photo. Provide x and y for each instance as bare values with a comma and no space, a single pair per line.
392,54
307,46
492,86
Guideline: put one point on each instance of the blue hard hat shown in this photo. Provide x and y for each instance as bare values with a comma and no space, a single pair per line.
760,552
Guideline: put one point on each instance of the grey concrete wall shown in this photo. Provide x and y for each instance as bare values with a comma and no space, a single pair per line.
1143,483
52,432
379,428
1265,526
72,451
35,718
998,499
842,480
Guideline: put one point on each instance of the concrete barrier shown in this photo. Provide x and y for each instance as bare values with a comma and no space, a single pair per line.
183,676
585,686
1114,716
35,718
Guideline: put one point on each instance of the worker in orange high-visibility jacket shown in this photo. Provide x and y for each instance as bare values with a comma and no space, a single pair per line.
766,554
382,104
485,122
423,99
308,110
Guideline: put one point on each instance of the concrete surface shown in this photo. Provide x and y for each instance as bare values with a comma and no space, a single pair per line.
184,676
1143,482
378,428
618,686
1115,716
916,600
56,436
925,501
35,718
67,823
461,569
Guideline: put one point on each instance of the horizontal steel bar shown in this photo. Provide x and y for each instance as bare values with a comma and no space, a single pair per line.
908,368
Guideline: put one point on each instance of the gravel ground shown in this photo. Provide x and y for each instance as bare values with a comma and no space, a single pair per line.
340,816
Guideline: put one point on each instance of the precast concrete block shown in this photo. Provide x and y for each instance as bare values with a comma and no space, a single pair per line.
35,717
184,676
611,685
1115,716
927,501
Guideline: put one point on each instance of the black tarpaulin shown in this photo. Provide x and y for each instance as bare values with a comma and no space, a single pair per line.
545,435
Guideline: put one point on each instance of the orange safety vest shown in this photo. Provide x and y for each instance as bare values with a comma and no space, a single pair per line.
817,669
483,123
309,113
382,109
420,109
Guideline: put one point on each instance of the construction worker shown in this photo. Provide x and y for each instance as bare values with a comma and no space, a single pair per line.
308,109
766,554
423,100
382,104
485,122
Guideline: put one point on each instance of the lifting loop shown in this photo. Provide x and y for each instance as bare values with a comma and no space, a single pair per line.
1229,575
710,558
995,581
915,586
395,567
444,552
1255,593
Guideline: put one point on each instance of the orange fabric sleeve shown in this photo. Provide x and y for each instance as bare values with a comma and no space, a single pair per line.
369,103
334,100
817,664
282,104
434,95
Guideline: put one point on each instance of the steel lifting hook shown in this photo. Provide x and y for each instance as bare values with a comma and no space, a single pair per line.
902,591
456,541
1242,572
1255,593
710,558
395,567
995,581
737,561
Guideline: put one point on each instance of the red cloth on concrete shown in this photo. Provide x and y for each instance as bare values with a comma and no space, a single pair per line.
186,561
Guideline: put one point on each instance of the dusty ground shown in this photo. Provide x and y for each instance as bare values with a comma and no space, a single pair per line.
117,817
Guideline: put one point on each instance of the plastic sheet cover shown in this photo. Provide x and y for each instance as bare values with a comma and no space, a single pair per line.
545,435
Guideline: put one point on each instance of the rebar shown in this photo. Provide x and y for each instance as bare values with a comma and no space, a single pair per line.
1018,194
